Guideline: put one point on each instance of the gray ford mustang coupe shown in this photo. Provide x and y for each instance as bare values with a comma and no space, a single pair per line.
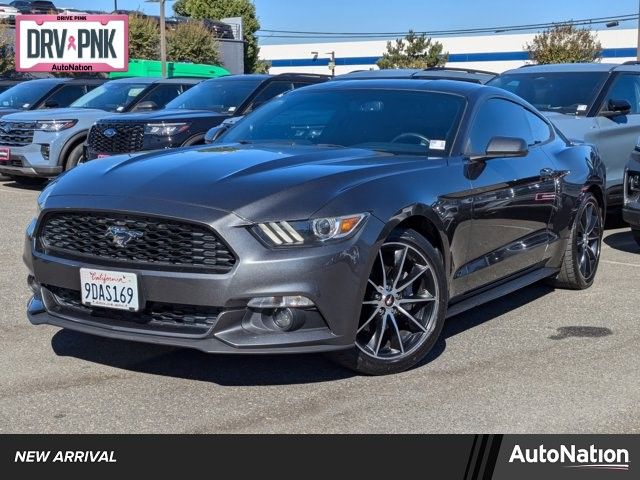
348,217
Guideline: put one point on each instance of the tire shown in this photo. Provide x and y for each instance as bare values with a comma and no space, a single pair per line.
582,254
636,235
75,158
409,329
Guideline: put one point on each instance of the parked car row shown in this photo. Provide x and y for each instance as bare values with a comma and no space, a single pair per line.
89,119
348,217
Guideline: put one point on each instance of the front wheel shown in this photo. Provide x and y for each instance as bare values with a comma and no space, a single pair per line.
76,157
403,309
582,254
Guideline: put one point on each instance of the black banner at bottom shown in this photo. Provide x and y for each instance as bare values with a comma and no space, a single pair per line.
464,457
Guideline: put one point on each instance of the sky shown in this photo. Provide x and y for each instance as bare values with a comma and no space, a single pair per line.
399,15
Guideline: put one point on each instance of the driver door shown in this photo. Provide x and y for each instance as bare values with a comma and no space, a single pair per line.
513,198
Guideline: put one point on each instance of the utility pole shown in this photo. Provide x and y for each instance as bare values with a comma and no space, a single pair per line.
332,62
163,37
115,5
638,54
163,41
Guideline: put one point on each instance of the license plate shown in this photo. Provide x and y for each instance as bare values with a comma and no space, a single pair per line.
5,154
102,288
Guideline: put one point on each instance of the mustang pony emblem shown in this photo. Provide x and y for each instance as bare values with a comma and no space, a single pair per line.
121,236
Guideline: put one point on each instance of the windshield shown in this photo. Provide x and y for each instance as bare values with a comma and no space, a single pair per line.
563,92
111,96
394,121
25,95
224,96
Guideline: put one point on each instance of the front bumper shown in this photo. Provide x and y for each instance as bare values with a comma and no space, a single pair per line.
29,161
332,276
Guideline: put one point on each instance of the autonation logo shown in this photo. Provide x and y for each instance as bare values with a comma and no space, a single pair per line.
574,457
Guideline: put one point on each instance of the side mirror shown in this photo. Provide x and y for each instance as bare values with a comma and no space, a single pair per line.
51,104
215,133
504,147
146,106
615,108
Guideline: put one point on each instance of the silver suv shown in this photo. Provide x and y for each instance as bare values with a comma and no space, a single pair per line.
595,103
42,144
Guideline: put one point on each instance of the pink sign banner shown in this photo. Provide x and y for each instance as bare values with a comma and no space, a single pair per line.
72,43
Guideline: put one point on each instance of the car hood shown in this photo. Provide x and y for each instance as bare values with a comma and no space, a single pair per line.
8,111
256,182
57,114
575,127
170,115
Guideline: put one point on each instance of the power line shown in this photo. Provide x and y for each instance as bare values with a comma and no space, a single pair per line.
270,33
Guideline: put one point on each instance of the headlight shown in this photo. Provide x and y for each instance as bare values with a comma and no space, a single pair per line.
54,125
309,232
165,129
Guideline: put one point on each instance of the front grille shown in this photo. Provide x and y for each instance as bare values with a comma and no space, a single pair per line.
126,137
16,134
158,316
151,242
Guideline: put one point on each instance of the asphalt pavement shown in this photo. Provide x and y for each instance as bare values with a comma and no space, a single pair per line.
537,361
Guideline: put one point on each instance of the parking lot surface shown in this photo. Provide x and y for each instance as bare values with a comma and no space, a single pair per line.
537,361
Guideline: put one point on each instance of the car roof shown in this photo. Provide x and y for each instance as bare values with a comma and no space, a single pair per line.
445,86
576,68
450,73
153,80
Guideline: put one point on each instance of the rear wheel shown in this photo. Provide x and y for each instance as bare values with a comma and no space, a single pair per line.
582,254
403,309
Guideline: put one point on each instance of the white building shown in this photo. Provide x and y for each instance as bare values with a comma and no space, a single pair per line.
497,53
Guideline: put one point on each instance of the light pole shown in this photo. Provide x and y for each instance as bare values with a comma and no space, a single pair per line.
332,60
163,37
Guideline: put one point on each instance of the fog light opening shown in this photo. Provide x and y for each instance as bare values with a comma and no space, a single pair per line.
33,284
44,149
288,319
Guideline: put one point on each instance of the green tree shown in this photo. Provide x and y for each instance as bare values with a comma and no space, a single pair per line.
217,9
144,38
565,44
192,42
413,51
7,55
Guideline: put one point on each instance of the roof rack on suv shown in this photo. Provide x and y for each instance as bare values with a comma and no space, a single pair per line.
458,69
631,62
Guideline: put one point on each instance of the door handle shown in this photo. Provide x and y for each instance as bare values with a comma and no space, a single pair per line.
549,174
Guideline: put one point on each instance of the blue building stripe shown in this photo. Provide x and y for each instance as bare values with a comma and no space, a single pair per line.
453,58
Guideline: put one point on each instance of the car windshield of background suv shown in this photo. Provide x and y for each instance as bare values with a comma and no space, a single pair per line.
397,122
112,97
24,95
563,92
218,96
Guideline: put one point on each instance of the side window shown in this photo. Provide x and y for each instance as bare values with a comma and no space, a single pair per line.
66,96
270,91
301,84
498,118
162,94
626,87
540,130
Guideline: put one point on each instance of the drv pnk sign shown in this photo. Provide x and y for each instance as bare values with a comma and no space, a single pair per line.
72,43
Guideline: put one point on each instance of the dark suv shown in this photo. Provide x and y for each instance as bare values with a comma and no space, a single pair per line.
185,120
596,103
45,93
